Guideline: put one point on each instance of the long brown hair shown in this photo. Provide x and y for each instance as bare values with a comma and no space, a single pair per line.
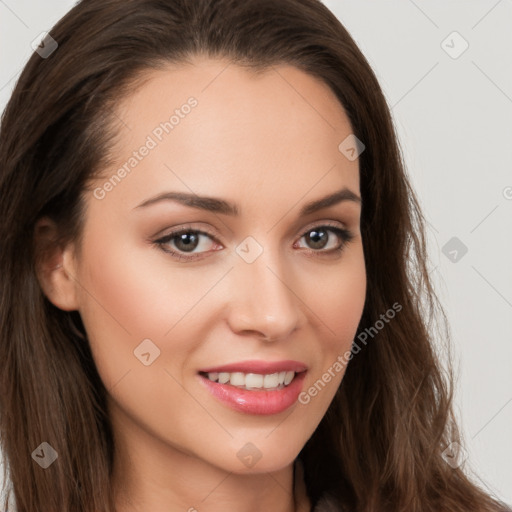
379,447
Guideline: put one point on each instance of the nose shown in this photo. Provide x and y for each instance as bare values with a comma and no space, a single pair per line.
263,301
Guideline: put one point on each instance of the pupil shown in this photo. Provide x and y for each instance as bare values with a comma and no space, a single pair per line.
316,237
188,244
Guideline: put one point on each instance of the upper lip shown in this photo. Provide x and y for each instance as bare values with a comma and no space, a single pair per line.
260,367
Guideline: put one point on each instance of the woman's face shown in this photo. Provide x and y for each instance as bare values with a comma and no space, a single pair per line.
263,291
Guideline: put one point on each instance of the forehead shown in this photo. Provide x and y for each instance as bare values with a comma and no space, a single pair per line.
214,128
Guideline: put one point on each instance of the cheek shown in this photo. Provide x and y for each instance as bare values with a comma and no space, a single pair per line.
123,301
339,301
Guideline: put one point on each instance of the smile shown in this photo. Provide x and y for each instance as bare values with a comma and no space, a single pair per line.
255,387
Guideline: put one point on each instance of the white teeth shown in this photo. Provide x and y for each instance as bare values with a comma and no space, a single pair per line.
271,381
288,378
223,377
253,380
237,379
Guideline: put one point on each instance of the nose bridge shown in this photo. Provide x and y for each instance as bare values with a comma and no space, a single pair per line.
264,299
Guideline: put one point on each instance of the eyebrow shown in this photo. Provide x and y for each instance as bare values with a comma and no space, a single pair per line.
216,205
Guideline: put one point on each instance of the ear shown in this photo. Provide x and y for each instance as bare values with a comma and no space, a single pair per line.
55,266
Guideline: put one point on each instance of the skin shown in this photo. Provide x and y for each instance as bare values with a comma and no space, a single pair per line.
270,144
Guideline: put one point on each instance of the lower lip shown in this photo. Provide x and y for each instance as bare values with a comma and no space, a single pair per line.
257,401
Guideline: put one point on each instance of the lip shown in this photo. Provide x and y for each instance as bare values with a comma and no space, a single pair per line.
259,402
261,367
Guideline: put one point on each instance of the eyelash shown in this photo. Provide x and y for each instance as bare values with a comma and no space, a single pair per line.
345,235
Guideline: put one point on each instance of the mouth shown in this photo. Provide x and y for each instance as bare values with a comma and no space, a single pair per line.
255,387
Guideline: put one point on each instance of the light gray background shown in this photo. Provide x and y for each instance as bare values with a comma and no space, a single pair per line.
454,120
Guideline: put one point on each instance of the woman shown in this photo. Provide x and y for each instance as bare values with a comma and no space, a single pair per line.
215,272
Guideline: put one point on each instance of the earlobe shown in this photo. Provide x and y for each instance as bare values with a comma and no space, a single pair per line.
55,266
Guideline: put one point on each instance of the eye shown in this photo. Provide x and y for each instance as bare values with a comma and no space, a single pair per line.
185,240
182,243
319,237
